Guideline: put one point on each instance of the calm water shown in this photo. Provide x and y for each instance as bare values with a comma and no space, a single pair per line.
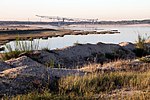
129,33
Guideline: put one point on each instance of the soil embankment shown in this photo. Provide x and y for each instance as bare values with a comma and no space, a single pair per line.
37,69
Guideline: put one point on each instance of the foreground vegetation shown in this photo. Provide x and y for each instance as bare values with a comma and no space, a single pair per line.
19,48
128,85
96,86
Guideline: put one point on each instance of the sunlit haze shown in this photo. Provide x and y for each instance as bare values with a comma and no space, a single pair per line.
101,9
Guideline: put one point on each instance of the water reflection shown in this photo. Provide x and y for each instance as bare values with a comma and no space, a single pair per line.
128,34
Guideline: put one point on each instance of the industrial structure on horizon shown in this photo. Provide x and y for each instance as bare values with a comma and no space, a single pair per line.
67,19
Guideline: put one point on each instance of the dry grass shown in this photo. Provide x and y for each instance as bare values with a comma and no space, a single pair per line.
110,86
97,83
119,65
90,67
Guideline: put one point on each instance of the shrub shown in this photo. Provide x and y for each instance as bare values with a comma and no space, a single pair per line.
141,48
140,43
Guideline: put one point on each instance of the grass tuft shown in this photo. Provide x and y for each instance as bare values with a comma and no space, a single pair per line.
19,48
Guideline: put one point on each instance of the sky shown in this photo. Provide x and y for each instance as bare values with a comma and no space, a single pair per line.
23,10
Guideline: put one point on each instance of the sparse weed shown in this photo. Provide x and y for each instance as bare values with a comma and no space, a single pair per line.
50,64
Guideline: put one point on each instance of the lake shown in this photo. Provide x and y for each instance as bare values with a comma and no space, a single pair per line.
128,33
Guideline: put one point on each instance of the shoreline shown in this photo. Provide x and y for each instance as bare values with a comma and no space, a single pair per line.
44,33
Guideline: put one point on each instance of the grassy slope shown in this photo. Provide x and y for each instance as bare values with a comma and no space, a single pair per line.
127,85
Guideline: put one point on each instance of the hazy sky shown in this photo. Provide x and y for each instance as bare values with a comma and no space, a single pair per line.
101,9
